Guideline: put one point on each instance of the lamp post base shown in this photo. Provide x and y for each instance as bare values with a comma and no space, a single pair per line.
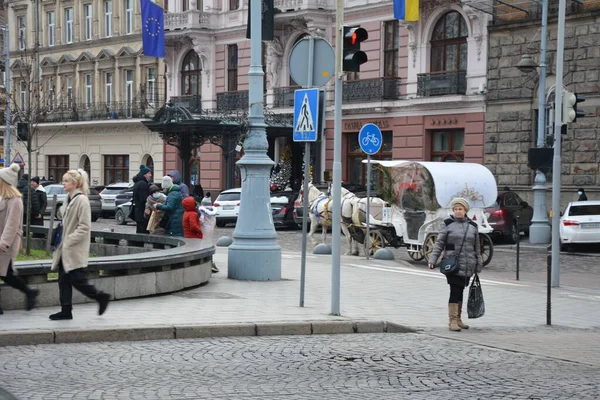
539,231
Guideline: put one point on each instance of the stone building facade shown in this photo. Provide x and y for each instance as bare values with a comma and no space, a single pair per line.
512,99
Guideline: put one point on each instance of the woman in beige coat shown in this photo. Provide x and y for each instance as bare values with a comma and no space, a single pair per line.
71,256
11,231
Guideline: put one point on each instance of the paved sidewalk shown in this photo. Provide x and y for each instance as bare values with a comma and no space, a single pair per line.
373,290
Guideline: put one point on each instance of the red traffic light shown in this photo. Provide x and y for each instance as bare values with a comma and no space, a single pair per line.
353,36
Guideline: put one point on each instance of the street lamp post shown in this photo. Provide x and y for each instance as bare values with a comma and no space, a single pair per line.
7,78
255,254
539,232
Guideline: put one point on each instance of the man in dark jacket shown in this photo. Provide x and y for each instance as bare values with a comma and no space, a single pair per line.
141,190
26,193
42,199
176,176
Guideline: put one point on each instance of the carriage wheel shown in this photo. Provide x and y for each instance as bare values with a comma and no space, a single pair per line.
428,245
416,255
487,248
375,241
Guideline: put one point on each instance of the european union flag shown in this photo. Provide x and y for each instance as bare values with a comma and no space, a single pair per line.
153,29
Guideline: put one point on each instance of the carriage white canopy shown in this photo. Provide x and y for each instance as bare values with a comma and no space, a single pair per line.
450,180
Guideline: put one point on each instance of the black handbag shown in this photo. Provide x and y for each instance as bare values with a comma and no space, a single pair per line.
57,235
475,304
450,265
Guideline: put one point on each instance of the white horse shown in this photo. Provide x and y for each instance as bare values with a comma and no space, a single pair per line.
320,213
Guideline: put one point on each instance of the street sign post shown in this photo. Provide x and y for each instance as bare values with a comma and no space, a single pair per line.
320,66
370,141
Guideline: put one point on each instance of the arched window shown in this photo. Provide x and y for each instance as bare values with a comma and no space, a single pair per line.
191,75
449,43
84,163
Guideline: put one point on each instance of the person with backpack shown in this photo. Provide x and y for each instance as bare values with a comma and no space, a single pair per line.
459,237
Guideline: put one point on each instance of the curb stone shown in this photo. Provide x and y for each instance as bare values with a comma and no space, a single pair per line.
136,333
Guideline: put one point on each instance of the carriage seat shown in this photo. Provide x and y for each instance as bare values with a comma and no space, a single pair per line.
414,221
359,214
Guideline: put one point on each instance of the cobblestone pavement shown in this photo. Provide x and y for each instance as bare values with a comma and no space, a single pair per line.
367,366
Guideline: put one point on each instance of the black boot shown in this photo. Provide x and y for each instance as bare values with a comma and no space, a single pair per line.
65,313
32,295
103,299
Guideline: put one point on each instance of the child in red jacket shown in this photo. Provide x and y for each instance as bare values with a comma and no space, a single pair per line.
191,220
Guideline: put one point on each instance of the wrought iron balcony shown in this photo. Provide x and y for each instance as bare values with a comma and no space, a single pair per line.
80,111
365,90
442,83
284,96
192,102
192,19
232,100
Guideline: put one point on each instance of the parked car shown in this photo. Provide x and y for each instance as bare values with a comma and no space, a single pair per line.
580,223
122,213
227,205
502,216
283,210
124,197
46,183
61,196
109,196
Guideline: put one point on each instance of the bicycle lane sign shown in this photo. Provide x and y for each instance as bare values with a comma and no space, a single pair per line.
370,139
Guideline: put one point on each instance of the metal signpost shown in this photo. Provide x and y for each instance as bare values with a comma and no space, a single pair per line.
370,141
303,70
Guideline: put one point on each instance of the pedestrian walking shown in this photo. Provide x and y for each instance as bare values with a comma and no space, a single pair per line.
11,232
582,196
42,198
141,191
459,237
71,256
172,220
26,193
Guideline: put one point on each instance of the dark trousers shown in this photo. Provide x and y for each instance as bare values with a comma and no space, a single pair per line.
15,281
141,225
457,287
74,279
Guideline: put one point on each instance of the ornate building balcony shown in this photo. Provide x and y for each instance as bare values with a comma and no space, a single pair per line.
295,5
284,96
192,19
365,90
441,83
79,111
232,100
192,102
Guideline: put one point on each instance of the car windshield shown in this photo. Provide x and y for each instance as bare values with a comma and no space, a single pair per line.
114,190
576,211
229,197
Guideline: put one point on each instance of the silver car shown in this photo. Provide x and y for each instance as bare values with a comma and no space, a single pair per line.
61,196
109,196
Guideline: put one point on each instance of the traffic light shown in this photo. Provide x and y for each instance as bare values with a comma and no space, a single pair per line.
353,56
570,111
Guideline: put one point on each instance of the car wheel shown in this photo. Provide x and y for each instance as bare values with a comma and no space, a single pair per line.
95,217
221,224
512,235
120,217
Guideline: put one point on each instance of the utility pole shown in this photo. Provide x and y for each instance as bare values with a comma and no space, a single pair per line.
539,232
255,254
7,80
36,85
556,165
336,188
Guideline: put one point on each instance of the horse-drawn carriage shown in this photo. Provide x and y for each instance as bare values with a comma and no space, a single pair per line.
419,194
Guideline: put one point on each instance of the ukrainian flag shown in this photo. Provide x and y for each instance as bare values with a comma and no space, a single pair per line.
406,10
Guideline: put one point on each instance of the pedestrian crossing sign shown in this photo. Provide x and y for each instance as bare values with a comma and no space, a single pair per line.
306,114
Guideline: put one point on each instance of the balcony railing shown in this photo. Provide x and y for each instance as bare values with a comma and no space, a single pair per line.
80,111
441,83
232,100
377,89
192,102
284,96
191,19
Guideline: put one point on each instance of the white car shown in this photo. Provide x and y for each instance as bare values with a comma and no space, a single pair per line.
580,223
109,195
227,205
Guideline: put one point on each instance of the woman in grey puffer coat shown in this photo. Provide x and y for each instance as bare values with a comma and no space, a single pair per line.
449,242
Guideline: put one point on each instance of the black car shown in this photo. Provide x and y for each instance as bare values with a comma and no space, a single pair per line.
283,210
504,214
124,197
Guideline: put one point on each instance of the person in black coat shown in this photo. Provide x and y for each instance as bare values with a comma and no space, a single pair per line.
141,191
582,196
27,192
